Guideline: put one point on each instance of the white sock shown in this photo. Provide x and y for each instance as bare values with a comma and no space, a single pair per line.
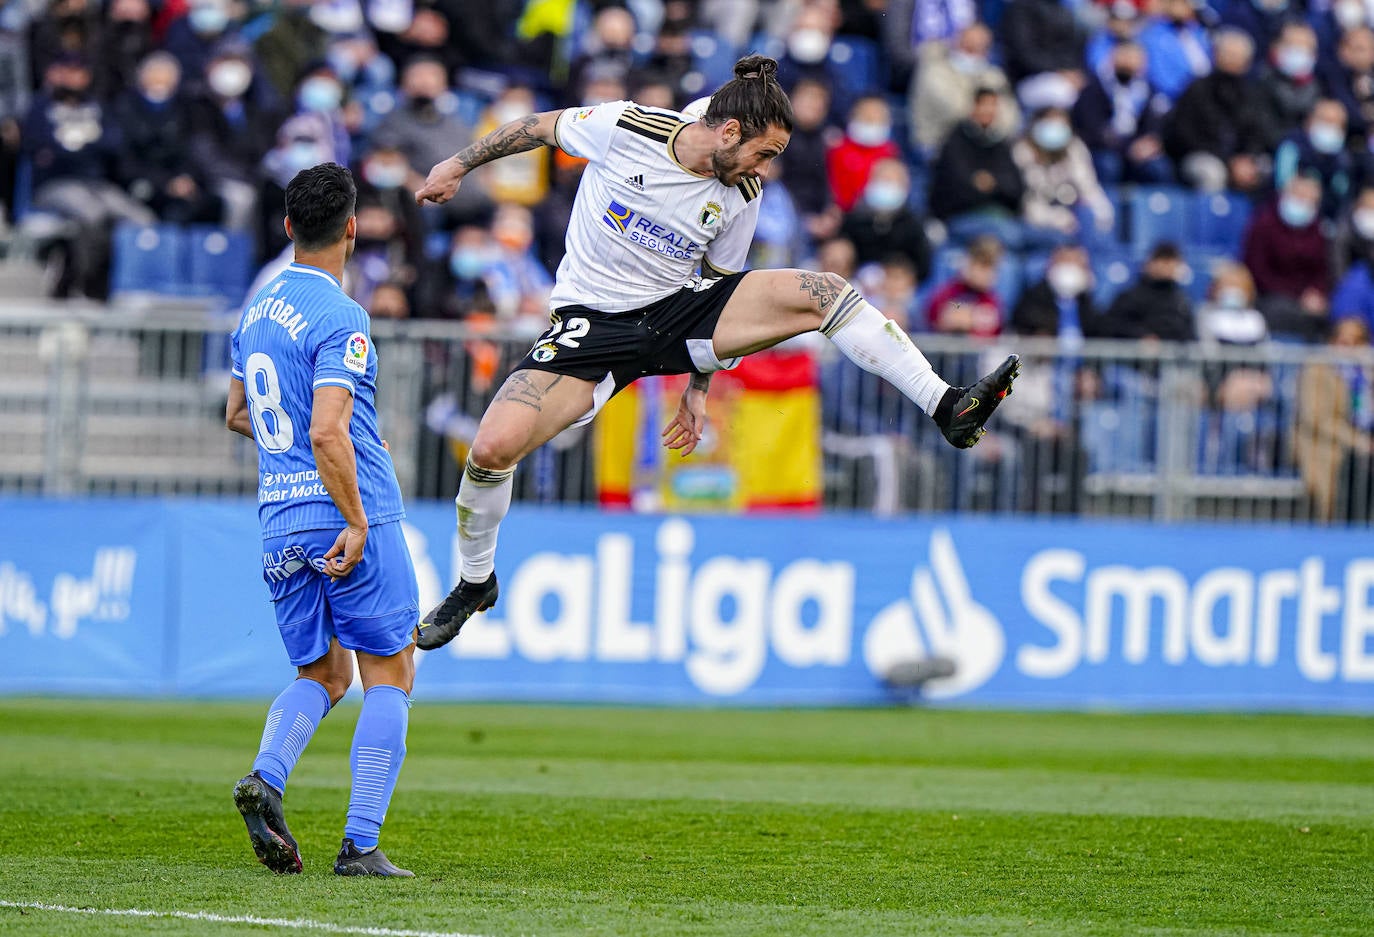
879,346
483,500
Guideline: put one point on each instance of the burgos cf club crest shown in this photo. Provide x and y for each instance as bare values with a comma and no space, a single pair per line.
355,353
544,352
710,215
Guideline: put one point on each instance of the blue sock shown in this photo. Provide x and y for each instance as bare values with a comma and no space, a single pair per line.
290,722
379,747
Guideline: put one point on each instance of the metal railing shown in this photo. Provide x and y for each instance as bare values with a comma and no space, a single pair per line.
94,400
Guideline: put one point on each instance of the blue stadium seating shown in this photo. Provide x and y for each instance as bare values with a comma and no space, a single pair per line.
219,263
148,259
855,69
1159,213
1113,271
1202,261
1219,221
713,57
23,188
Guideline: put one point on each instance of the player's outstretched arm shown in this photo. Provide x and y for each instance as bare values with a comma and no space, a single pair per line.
330,413
530,131
236,414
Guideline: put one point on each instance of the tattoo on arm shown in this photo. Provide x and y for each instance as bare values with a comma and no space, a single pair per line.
701,382
521,388
514,137
820,287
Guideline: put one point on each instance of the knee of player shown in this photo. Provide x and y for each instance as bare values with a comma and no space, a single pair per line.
337,682
495,452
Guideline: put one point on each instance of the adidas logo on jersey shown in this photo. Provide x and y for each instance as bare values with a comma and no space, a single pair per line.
635,182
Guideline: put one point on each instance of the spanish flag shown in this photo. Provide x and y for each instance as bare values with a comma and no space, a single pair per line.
761,449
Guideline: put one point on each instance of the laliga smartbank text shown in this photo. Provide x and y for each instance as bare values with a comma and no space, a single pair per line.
683,599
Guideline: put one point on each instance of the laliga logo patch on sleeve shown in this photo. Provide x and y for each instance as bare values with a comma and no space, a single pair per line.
355,353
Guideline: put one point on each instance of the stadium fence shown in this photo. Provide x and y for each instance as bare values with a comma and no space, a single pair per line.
97,400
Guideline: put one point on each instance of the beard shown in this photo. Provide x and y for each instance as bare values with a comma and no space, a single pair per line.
725,163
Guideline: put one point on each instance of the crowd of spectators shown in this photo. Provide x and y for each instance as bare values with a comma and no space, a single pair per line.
1003,129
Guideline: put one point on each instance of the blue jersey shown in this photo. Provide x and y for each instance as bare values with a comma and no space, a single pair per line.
301,331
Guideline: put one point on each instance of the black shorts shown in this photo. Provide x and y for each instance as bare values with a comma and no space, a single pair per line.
613,349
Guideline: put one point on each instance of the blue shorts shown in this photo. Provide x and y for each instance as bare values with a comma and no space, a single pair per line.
373,609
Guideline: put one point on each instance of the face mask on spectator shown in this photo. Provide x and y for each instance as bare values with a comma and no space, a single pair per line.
229,79
1296,212
1363,221
867,133
1124,76
468,263
337,18
385,175
1326,138
1349,15
1295,61
391,16
885,196
208,20
808,46
1067,279
302,154
1052,134
320,94
965,63
1232,297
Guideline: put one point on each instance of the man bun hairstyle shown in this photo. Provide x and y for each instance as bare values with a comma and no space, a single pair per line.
753,97
319,202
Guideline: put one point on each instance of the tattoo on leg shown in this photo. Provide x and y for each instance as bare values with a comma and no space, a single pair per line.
521,388
514,137
820,287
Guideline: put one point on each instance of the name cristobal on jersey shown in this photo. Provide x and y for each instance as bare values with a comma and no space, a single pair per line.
302,331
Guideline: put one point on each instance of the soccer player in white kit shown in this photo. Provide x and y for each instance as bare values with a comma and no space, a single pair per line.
662,222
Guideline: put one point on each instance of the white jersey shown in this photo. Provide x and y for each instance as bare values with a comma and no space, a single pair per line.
642,221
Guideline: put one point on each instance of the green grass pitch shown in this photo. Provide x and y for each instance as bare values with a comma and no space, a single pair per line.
524,820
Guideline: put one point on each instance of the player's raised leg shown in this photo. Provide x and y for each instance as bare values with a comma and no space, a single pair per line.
291,721
531,408
769,306
379,749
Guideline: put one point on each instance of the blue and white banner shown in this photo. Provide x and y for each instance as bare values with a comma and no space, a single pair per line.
166,597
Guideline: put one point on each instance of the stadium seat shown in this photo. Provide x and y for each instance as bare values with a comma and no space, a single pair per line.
437,244
469,107
713,57
1113,271
1033,267
220,263
23,188
1219,221
1118,431
855,69
1010,279
1159,213
1202,263
148,259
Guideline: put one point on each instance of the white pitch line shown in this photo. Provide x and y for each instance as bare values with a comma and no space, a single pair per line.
297,923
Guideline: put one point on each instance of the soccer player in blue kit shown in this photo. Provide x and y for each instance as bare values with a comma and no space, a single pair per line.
334,558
